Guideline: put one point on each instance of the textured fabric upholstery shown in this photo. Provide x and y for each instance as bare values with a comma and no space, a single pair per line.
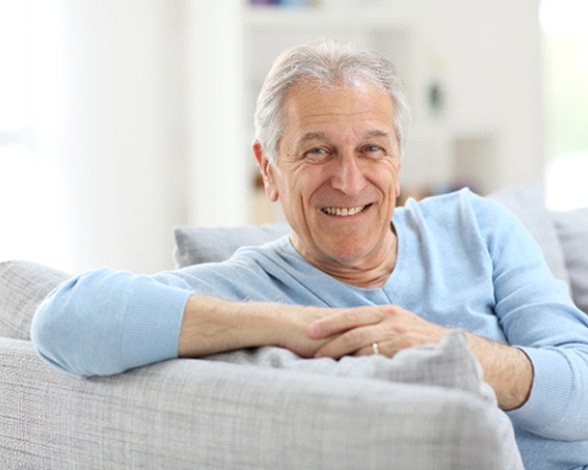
572,229
449,364
196,245
527,203
187,414
23,285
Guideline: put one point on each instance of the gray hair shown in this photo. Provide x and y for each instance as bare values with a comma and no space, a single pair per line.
328,63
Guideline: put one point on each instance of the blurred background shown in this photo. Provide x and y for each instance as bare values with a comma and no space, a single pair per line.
120,120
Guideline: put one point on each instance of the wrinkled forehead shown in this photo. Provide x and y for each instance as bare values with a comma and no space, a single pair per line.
309,101
315,86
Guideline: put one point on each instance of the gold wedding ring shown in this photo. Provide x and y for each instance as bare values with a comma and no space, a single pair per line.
375,348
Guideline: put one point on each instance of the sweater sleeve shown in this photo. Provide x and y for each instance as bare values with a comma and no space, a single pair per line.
538,316
105,322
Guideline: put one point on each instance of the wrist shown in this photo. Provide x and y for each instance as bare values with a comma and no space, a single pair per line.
507,369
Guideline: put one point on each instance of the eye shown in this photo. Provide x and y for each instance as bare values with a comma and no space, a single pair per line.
373,151
317,153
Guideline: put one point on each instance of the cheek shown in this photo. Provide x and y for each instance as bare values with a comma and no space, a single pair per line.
394,180
397,178
386,179
303,184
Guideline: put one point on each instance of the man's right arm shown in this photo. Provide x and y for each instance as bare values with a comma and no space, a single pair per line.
105,322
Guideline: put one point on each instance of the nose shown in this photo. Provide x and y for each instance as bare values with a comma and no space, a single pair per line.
347,175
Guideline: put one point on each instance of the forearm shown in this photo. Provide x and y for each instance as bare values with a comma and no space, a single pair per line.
506,369
211,325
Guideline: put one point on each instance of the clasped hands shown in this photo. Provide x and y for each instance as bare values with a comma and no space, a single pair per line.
354,331
212,325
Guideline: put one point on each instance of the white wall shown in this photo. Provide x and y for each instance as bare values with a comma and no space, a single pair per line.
219,166
118,131
147,126
496,69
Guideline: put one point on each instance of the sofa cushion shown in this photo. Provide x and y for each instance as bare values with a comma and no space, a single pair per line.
527,203
449,364
195,245
572,229
23,285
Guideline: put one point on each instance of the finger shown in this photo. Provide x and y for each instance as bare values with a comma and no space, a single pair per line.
381,348
365,351
372,349
343,321
347,343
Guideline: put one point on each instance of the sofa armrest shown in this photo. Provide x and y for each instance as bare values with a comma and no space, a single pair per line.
205,414
23,285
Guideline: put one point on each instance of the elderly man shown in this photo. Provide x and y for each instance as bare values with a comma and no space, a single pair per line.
357,275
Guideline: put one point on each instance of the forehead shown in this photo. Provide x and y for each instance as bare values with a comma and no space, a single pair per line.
310,106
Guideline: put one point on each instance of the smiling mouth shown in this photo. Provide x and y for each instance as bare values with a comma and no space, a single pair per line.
344,211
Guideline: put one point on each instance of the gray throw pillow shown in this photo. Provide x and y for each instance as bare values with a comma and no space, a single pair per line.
195,245
572,228
449,364
527,203
23,285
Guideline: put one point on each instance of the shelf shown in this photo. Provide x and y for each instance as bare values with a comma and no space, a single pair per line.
275,16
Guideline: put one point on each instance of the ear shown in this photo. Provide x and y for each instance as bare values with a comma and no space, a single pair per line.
267,172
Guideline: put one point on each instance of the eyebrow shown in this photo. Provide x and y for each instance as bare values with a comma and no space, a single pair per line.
309,136
313,136
377,133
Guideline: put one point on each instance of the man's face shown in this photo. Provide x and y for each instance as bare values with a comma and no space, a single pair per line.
337,173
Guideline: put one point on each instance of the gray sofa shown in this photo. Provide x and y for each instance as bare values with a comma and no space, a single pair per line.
265,408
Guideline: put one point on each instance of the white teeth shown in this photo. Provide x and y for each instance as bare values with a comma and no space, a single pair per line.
343,211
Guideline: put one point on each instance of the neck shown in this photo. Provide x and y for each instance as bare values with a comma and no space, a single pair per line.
370,272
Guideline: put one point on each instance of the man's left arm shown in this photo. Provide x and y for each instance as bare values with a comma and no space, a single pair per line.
542,377
506,369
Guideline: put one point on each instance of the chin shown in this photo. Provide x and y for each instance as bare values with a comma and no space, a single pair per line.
348,250
349,256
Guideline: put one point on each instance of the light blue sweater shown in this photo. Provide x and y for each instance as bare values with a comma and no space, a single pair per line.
463,262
